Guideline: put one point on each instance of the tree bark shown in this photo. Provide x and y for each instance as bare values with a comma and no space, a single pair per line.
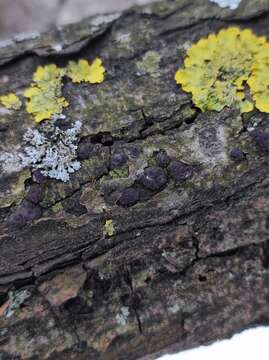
168,253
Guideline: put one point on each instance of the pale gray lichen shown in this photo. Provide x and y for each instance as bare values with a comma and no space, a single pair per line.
6,42
16,299
232,4
52,150
122,317
105,19
11,161
22,36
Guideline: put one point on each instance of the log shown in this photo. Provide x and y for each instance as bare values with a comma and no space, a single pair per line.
160,241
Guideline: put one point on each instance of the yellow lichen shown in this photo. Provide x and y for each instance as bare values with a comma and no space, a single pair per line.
44,95
108,229
259,81
11,101
82,71
218,70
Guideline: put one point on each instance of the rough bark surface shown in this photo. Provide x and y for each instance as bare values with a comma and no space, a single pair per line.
187,259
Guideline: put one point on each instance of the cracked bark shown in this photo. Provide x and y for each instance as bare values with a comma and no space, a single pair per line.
188,262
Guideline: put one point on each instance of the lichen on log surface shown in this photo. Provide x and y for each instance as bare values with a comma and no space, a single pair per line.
159,241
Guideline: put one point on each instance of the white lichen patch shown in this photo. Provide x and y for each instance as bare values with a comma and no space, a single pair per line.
16,299
123,38
122,317
210,145
175,308
11,161
232,4
22,36
52,150
6,42
105,19
57,47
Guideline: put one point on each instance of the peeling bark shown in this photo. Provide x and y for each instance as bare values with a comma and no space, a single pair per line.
185,260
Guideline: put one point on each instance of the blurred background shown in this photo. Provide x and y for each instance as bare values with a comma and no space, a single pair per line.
40,15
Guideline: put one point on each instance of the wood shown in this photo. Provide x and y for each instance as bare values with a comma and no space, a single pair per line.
188,260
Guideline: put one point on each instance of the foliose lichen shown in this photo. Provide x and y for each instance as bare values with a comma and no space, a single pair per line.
44,94
83,71
259,80
230,68
52,150
11,101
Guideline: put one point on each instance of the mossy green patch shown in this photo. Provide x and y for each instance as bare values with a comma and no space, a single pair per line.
122,172
150,63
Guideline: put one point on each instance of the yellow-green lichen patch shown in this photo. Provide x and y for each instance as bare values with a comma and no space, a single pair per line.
108,229
259,80
150,63
217,69
58,207
122,172
44,95
17,191
11,101
83,71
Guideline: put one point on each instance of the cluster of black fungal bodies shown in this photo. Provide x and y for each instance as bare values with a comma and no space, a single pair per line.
152,180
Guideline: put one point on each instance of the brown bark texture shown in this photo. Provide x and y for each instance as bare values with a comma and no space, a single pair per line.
160,241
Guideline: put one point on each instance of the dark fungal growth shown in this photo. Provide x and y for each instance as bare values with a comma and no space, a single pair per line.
162,158
180,171
24,215
34,194
118,160
261,140
129,197
237,155
153,178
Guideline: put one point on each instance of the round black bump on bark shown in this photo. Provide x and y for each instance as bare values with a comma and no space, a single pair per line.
237,155
3,127
63,124
261,140
153,178
180,171
134,151
84,150
39,177
73,206
35,194
104,138
162,159
118,160
129,197
24,215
